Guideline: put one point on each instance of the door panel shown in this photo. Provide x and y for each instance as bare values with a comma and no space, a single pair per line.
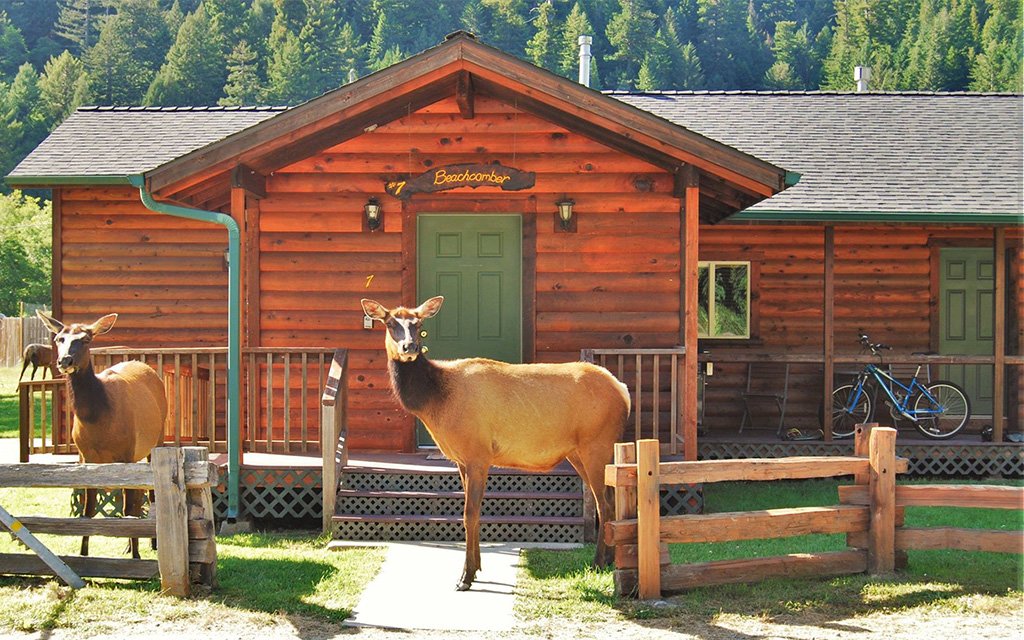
966,326
475,262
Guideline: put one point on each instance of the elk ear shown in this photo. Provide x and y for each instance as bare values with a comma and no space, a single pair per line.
54,325
429,308
374,309
103,325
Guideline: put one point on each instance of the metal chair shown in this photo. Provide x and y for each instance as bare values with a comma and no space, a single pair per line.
767,383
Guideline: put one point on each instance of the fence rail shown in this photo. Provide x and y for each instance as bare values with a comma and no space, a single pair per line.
181,521
870,513
280,401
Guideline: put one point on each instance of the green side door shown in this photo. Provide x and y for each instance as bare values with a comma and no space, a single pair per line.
475,262
966,320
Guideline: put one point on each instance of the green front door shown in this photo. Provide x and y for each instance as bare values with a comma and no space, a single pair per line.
475,262
966,326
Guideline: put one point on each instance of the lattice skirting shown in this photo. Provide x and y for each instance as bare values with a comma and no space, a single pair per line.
496,482
275,494
925,459
452,506
453,532
109,503
682,499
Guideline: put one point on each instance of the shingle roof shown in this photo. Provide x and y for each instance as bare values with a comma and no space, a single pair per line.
940,153
122,141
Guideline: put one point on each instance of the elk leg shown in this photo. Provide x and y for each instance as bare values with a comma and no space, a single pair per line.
475,483
152,499
88,511
133,507
590,466
23,367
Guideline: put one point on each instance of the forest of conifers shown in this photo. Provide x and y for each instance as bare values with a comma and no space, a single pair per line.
56,55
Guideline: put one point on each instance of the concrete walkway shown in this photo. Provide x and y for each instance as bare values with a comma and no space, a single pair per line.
415,589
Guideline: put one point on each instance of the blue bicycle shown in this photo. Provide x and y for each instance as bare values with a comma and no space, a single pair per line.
937,409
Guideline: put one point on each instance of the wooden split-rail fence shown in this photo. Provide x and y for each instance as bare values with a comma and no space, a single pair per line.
181,518
870,513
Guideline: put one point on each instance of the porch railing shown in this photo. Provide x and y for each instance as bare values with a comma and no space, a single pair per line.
281,391
654,380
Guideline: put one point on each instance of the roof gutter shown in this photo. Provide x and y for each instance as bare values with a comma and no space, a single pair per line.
234,321
917,217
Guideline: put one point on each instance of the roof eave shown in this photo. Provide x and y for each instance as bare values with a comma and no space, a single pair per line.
761,215
29,182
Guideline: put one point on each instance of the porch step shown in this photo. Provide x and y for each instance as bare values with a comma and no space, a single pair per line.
427,504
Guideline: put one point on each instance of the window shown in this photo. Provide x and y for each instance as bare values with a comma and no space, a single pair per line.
723,299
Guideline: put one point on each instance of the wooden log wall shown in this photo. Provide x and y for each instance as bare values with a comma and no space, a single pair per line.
593,287
165,277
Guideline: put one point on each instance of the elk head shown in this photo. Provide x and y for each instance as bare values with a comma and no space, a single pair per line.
404,339
72,341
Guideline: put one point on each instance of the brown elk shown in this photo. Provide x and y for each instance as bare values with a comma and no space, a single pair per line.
526,416
119,412
37,355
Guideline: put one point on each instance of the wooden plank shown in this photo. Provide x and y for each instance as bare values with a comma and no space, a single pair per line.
171,518
688,269
961,539
681,577
648,519
749,525
627,556
828,328
98,476
792,468
944,495
882,492
999,335
85,566
109,527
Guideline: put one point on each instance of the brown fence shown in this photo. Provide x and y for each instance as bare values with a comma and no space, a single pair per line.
181,520
871,516
16,334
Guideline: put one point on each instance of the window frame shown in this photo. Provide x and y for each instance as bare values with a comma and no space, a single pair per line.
753,263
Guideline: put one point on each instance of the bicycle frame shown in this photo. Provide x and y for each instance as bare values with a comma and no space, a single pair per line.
891,386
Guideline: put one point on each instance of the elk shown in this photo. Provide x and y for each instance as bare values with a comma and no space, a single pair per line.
483,412
119,413
37,355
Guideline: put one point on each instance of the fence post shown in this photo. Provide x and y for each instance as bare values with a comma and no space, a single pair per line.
882,493
203,552
171,520
648,515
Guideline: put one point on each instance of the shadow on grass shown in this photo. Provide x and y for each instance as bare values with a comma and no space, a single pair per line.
276,586
943,580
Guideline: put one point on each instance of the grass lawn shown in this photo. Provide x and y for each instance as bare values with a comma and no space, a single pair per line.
9,400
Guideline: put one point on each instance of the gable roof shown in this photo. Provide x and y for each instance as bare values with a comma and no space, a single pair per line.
97,144
460,67
892,156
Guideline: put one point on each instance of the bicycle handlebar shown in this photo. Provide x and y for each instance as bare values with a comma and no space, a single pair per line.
875,347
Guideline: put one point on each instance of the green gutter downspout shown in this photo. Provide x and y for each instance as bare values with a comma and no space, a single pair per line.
234,319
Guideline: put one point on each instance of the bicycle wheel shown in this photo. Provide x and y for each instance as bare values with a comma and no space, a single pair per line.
951,410
844,418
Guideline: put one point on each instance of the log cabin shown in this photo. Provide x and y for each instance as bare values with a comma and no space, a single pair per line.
697,244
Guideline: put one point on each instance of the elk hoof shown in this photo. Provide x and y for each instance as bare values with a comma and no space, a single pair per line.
463,585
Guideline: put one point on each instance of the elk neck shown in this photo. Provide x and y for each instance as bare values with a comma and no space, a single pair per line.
88,397
418,383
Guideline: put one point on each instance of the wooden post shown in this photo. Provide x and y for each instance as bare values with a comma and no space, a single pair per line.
690,229
171,520
861,436
828,337
882,493
999,335
625,509
648,515
202,552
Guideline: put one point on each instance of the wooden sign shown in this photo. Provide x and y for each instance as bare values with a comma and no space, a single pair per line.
463,175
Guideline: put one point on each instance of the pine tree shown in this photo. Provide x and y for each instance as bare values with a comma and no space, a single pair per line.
21,116
194,72
508,30
352,52
130,49
542,49
12,48
869,33
320,45
243,83
656,69
798,58
730,50
62,87
998,66
576,24
629,33
284,71
79,22
690,74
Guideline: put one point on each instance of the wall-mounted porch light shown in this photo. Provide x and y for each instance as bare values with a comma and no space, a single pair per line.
373,214
565,219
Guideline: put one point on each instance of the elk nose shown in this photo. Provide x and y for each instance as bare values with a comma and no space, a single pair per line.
66,361
408,347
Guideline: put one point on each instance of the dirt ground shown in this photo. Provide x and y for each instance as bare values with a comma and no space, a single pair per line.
890,626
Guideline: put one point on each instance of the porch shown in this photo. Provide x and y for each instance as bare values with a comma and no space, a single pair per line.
294,416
